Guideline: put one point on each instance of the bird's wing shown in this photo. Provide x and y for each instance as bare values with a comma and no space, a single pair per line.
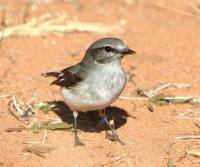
68,77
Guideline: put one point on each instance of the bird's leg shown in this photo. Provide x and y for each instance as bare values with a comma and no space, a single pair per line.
76,138
114,136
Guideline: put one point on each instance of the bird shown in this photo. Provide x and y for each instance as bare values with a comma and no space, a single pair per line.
95,82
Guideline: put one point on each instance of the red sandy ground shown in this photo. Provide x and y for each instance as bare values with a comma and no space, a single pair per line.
168,50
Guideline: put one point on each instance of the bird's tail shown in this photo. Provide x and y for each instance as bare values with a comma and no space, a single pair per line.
51,74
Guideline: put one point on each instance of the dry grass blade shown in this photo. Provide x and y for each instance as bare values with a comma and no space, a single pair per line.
197,125
49,23
170,100
186,137
4,95
14,129
192,5
39,150
177,11
193,114
59,126
45,137
2,36
45,107
154,92
170,163
17,106
20,110
194,153
36,127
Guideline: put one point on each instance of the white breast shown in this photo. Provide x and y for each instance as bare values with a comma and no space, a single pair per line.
102,87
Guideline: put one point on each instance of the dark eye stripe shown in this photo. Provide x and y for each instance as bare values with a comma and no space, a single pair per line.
108,49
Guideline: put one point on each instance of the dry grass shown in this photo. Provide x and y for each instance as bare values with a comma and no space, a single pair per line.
56,24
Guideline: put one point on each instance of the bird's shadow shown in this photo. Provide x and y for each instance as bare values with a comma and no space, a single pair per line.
91,121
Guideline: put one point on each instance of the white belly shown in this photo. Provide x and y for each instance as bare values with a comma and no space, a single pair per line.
98,91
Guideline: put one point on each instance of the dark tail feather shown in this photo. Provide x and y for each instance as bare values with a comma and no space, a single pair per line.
51,74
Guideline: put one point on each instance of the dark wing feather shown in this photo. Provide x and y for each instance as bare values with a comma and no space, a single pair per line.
68,77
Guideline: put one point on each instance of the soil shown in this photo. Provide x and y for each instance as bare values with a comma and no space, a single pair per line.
165,35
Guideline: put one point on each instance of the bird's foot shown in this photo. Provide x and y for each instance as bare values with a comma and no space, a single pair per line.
114,137
77,142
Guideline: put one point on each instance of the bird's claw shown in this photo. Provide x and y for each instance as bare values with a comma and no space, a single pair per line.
78,142
114,137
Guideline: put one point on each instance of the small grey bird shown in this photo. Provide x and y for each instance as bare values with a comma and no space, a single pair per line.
95,82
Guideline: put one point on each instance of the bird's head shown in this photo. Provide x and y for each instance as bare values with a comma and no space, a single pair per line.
107,50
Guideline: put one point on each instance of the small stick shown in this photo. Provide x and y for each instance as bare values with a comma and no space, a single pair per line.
177,11
11,112
14,129
16,105
45,137
32,142
161,87
193,118
181,85
4,96
192,5
2,36
193,161
34,152
153,92
187,137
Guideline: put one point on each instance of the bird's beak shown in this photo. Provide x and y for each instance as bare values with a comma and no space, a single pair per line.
128,51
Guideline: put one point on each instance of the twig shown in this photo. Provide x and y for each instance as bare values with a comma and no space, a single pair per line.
45,137
22,111
181,85
12,113
39,150
177,11
153,92
16,105
197,125
32,142
29,149
4,96
187,137
192,5
14,129
2,35
187,117
193,161
46,24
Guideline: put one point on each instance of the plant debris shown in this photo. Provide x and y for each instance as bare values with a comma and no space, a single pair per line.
45,107
186,137
4,95
154,92
193,114
197,125
170,163
14,129
20,110
36,127
194,153
39,150
163,100
56,23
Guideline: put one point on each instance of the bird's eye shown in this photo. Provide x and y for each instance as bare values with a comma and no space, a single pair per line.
108,48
